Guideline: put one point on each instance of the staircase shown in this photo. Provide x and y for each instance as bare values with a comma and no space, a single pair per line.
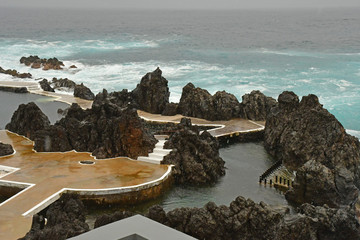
158,153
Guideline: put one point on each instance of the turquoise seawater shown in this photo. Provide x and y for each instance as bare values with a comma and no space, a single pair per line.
308,51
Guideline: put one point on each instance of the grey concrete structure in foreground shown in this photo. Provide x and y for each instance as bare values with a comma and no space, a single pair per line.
134,228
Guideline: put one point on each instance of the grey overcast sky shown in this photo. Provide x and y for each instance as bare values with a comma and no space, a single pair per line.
181,4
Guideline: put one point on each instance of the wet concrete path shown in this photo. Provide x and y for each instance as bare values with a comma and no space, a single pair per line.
47,174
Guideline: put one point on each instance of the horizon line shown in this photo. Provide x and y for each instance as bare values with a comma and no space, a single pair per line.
282,8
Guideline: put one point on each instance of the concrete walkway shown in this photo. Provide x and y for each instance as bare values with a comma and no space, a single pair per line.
47,175
221,128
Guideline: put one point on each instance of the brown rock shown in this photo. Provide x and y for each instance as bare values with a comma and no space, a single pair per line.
46,64
15,73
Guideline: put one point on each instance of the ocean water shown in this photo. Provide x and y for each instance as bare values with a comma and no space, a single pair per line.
305,51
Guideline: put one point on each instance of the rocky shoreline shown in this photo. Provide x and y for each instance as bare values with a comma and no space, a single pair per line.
312,142
64,84
302,134
45,64
242,219
15,73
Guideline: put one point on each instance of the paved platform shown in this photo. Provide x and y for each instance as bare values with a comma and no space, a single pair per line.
221,128
46,175
49,174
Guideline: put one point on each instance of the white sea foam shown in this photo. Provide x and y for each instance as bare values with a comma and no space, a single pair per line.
342,84
354,133
348,54
290,53
60,49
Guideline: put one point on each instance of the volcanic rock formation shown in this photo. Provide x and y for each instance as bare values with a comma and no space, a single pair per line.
152,94
245,219
122,99
65,84
197,102
65,219
255,106
15,73
171,109
5,149
27,120
45,85
195,156
83,92
110,218
106,130
45,64
310,140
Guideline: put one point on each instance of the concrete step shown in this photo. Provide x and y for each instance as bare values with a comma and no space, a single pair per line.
162,151
149,160
161,137
160,144
156,156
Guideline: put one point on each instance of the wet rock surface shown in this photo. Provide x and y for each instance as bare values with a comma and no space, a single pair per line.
15,73
45,64
65,219
195,156
63,84
255,106
83,92
310,140
5,149
27,120
45,85
152,93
